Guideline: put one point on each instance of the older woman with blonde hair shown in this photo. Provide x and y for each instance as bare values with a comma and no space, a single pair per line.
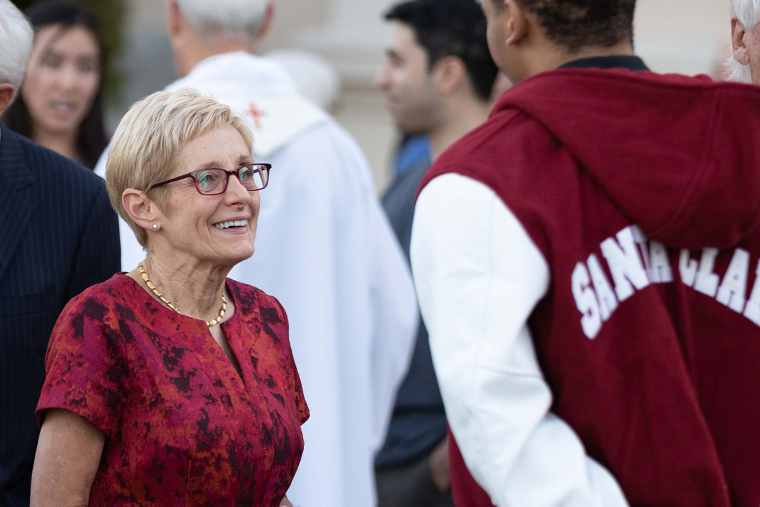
171,384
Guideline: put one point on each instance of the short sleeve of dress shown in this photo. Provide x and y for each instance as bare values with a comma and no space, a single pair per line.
301,407
86,368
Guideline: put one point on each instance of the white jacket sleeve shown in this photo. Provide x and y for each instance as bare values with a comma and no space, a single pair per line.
479,277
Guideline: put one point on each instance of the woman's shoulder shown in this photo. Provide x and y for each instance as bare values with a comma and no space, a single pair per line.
91,318
118,287
249,297
117,291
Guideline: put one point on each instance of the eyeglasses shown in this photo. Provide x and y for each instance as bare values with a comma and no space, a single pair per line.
214,181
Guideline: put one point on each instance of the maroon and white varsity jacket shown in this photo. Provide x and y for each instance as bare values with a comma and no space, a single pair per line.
642,193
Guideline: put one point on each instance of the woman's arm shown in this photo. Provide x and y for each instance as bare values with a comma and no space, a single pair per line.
68,455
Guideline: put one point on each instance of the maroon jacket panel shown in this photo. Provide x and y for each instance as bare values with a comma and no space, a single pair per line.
465,491
651,352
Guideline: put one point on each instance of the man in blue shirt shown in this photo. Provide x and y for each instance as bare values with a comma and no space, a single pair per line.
437,79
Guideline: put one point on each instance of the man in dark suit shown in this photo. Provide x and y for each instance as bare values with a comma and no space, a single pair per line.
58,236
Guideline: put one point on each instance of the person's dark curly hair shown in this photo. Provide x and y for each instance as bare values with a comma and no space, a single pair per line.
452,28
576,24
92,134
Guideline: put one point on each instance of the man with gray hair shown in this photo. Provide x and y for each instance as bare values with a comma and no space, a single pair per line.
16,40
324,248
59,236
745,38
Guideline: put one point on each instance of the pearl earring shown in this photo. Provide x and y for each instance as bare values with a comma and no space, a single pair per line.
155,227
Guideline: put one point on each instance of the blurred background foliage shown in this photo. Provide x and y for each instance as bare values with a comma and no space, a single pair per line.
111,14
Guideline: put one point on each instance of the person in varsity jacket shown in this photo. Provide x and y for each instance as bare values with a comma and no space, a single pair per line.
588,267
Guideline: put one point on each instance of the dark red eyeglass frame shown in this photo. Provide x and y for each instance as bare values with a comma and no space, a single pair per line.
236,172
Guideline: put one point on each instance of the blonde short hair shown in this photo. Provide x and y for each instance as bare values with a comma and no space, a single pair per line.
146,144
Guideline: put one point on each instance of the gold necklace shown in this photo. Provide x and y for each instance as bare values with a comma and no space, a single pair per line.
160,296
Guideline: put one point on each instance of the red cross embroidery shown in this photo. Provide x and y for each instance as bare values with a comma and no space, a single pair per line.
253,111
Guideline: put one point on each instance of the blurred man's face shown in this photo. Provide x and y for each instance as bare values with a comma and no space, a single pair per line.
411,96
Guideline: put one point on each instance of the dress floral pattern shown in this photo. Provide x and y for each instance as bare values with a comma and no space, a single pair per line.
182,427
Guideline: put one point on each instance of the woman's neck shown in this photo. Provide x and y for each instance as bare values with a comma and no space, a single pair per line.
193,288
64,144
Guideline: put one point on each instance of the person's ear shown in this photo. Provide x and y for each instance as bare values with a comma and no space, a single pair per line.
739,41
268,20
449,75
140,209
516,22
7,91
174,18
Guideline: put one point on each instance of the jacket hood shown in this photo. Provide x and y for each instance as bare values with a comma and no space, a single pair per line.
679,156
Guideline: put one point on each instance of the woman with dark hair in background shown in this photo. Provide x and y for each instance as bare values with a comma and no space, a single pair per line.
60,105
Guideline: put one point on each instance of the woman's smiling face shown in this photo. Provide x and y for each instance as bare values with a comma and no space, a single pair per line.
210,228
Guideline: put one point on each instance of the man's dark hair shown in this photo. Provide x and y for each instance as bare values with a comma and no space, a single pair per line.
576,24
452,28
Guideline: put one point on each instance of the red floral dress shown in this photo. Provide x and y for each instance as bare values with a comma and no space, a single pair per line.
181,426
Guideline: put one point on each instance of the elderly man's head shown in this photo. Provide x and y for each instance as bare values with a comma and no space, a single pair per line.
201,28
16,37
745,38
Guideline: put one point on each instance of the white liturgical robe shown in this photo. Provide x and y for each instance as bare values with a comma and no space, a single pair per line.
325,249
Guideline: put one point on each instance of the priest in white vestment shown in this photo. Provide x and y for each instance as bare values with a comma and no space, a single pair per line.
324,248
